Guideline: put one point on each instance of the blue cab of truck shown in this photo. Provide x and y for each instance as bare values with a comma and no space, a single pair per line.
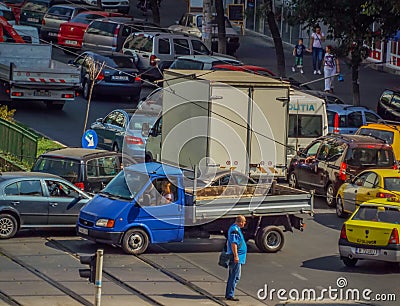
157,203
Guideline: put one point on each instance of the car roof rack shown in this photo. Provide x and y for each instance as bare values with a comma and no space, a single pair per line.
391,123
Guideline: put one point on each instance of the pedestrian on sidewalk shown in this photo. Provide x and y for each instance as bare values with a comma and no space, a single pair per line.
236,245
317,37
331,67
298,53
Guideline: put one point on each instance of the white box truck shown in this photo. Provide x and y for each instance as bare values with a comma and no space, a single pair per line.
224,119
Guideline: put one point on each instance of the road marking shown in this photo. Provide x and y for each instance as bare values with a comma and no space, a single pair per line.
299,276
276,264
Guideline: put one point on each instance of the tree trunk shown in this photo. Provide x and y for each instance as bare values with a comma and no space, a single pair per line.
155,11
219,7
276,36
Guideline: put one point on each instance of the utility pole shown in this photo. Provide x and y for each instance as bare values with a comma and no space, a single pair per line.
207,26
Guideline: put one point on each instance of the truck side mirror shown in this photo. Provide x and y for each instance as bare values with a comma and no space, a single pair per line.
145,129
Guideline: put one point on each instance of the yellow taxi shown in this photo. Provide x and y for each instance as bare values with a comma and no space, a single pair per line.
388,131
367,185
372,232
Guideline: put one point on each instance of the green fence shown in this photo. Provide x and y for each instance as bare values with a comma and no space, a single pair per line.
18,141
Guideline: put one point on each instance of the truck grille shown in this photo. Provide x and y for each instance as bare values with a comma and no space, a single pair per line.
86,222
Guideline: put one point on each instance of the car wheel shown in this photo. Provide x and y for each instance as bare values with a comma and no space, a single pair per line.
135,241
293,181
115,147
270,239
339,207
330,195
8,226
349,262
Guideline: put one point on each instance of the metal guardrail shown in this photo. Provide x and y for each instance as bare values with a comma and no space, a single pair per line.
18,141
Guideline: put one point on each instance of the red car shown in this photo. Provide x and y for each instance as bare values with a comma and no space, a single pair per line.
246,68
15,6
71,33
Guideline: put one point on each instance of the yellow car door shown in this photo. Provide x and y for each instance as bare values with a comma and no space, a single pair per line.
370,187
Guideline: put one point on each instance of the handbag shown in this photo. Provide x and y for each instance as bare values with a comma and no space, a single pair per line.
225,258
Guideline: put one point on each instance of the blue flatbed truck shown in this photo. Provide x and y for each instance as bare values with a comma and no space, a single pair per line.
127,214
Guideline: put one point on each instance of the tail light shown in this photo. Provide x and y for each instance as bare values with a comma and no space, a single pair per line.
336,124
133,140
80,185
138,78
17,94
43,21
343,234
67,96
342,171
384,195
100,76
395,167
153,60
394,237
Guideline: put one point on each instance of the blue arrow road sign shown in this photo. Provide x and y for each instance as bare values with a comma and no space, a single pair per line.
89,139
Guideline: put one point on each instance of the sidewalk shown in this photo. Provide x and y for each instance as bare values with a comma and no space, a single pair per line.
258,49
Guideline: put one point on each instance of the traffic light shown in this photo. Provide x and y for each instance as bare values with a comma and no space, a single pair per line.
89,274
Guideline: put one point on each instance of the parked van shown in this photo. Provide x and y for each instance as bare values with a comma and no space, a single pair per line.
307,120
109,34
157,49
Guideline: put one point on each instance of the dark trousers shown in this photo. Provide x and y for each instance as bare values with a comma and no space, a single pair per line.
317,58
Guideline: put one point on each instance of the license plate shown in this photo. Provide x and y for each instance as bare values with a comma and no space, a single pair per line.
120,78
83,230
42,93
366,251
33,20
111,10
71,42
53,34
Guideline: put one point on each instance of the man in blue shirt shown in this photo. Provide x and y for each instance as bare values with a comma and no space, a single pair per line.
236,246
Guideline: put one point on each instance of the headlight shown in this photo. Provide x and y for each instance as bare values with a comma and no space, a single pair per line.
105,223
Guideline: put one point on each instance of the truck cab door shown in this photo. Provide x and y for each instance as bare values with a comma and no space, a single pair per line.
164,218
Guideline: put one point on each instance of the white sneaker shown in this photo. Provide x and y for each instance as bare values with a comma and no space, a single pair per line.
293,69
301,71
315,71
319,71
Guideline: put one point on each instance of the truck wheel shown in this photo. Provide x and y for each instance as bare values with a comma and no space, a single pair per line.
270,239
349,262
339,207
135,241
293,181
8,226
330,195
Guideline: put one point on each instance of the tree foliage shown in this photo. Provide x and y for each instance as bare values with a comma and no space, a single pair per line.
354,24
7,114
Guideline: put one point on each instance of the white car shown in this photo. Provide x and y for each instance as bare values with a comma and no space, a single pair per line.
202,62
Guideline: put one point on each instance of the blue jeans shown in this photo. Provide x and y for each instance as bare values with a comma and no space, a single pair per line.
233,279
317,58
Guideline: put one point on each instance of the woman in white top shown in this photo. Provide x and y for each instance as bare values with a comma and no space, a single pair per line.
331,67
316,45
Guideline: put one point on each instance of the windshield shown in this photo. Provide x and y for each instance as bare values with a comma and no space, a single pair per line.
307,126
378,214
37,6
119,188
370,157
392,183
137,122
384,135
62,167
117,61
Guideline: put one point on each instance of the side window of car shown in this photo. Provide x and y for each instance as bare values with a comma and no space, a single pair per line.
163,46
30,188
371,117
386,97
126,30
107,166
181,46
313,149
336,150
91,167
323,152
370,180
111,118
199,47
354,119
360,180
120,120
396,102
12,189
